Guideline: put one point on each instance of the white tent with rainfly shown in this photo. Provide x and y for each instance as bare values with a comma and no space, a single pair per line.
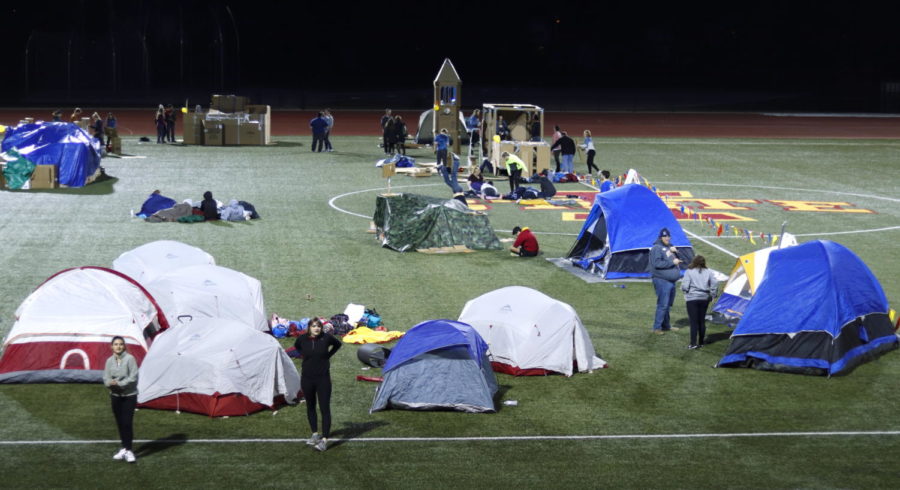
210,291
151,260
217,367
63,329
530,333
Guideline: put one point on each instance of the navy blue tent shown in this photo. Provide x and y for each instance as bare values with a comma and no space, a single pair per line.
438,364
621,228
818,310
75,153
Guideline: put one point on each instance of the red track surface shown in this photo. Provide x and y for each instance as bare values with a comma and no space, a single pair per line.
601,124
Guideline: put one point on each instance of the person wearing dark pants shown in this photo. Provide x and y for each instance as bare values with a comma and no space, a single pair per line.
170,116
120,376
441,148
700,287
319,128
665,271
588,146
160,125
387,128
514,167
317,348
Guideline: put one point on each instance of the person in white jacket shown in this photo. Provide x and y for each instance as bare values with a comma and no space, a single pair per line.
700,287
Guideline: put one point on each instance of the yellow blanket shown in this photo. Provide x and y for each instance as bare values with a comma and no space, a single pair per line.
365,335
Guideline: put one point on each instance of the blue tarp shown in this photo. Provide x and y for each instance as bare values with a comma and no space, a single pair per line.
817,286
634,216
432,335
75,153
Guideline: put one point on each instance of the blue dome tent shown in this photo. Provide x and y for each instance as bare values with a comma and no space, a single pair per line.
621,228
819,310
74,152
438,365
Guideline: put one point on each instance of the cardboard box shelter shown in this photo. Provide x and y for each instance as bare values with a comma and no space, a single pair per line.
516,116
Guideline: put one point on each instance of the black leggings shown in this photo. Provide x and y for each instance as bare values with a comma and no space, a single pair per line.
123,410
697,314
590,161
318,388
514,177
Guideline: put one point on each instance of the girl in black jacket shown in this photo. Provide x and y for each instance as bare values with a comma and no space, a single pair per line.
317,347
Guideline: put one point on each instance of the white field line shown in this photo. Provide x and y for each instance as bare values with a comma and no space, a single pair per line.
732,435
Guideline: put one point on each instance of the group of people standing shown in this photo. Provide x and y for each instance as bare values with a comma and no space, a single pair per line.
103,130
563,147
165,124
321,126
394,133
120,376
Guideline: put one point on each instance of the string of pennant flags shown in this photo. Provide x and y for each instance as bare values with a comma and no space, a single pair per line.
709,224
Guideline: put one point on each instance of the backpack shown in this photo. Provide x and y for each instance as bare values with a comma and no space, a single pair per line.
341,323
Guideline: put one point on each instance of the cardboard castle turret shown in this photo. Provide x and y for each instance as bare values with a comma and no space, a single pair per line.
447,100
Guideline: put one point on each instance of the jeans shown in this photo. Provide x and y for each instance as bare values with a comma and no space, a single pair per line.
567,165
450,177
665,297
441,156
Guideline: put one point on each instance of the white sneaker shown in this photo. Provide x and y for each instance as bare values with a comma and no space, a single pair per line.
129,456
119,456
313,439
322,445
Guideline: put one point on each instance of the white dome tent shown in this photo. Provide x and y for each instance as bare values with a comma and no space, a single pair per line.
63,329
530,333
151,260
217,367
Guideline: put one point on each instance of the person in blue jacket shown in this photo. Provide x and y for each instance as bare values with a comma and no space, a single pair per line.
319,129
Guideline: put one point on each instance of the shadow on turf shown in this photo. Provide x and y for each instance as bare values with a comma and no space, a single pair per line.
229,224
158,445
352,430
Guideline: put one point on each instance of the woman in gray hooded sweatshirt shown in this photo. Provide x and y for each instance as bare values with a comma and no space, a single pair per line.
700,287
120,376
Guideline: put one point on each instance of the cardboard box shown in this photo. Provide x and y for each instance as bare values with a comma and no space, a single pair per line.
232,135
251,133
229,103
44,177
192,129
116,144
212,134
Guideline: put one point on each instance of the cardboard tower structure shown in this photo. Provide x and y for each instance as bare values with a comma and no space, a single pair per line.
447,102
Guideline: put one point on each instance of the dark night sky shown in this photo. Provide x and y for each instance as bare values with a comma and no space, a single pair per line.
319,45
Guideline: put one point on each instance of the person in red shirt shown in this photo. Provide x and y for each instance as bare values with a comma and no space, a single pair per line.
526,244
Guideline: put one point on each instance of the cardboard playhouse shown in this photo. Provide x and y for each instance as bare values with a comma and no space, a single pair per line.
535,154
230,121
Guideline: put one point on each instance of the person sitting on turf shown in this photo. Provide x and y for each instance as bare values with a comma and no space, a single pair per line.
548,190
476,180
209,207
605,183
526,245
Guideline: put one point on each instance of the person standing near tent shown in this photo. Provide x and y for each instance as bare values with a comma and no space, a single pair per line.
664,271
121,378
557,134
567,149
700,287
526,245
319,128
400,134
76,115
514,167
317,348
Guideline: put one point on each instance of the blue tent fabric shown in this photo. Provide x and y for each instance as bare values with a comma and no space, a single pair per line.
818,286
75,153
432,335
156,202
635,214
818,310
620,229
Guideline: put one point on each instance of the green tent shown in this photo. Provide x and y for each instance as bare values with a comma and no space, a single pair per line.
413,222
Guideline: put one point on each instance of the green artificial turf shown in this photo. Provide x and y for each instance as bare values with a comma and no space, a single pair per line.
314,259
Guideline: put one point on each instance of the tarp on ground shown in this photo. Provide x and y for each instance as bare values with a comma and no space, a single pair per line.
411,222
75,153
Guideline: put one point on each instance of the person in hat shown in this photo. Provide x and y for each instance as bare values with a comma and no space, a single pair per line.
664,270
526,245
